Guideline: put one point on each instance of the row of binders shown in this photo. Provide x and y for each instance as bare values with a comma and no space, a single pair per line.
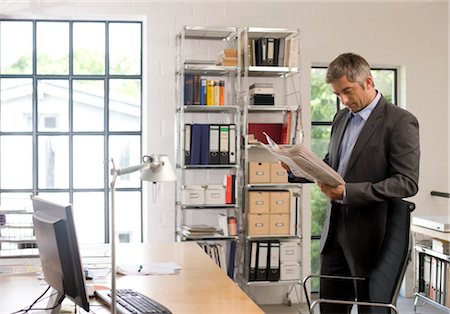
210,144
223,254
434,278
204,92
281,52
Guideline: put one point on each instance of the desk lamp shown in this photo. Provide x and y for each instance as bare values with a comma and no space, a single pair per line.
153,168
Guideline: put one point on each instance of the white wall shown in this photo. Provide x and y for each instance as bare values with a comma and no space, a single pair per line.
413,36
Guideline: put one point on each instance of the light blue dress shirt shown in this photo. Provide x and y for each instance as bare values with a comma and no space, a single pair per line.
351,134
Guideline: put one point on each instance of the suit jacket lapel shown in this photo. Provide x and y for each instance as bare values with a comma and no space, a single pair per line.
340,126
375,119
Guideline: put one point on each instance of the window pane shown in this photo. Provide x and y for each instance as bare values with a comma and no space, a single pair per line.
16,105
125,150
88,105
315,263
323,101
320,137
53,105
15,201
89,48
128,216
57,197
385,83
124,105
89,216
52,47
53,162
88,169
125,48
15,53
16,162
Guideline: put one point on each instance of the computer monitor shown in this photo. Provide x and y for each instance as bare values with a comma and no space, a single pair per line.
58,250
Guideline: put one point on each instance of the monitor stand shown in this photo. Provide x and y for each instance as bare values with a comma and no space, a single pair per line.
55,301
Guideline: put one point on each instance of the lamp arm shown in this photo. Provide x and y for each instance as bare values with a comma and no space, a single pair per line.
128,170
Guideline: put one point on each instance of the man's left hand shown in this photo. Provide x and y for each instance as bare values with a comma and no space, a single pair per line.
334,193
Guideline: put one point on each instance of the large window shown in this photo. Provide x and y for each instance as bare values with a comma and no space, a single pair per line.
70,101
324,105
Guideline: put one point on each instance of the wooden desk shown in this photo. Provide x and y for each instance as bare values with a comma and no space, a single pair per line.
200,287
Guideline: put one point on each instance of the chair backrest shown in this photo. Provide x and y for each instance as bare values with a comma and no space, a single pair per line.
386,278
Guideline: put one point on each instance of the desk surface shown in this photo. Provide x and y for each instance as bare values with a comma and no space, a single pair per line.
200,287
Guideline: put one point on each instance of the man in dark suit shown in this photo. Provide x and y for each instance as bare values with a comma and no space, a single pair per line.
375,147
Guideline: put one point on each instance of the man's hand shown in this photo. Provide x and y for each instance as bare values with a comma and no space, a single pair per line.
333,193
286,167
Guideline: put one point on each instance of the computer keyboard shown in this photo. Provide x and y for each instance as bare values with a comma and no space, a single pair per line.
129,301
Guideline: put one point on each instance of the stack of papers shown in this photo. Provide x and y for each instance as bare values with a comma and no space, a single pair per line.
199,230
304,163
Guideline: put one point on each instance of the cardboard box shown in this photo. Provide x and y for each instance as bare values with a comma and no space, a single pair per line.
279,202
277,173
279,224
289,271
215,195
258,224
259,172
258,202
194,195
289,252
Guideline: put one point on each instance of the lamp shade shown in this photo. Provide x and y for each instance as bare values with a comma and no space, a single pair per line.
158,169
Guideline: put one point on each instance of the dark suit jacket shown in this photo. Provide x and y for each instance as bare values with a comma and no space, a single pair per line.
384,164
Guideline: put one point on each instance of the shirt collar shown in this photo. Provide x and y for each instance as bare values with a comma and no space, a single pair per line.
365,113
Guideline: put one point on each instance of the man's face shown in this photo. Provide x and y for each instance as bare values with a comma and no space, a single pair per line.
354,96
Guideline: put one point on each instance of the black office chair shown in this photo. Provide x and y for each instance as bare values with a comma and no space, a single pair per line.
386,278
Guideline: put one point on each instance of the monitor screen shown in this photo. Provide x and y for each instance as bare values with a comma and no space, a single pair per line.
58,250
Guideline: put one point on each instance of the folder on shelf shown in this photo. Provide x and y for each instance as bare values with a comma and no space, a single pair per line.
228,189
274,261
253,256
280,59
204,150
197,82
232,144
210,92
224,144
214,145
270,51
196,136
188,89
231,259
187,144
263,251
203,92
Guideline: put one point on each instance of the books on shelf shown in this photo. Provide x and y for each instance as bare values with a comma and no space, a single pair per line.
281,52
304,163
202,91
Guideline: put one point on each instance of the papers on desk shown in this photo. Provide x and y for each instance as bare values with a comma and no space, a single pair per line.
167,268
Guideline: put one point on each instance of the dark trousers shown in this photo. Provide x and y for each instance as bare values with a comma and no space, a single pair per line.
336,259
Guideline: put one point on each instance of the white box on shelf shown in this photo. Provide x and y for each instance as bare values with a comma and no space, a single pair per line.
215,195
289,271
289,252
194,195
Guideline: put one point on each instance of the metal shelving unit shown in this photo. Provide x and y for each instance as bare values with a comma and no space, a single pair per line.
198,49
286,84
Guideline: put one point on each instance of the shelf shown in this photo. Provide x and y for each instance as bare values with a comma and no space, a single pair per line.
210,109
271,71
15,212
209,69
16,226
210,33
273,236
430,232
272,108
269,186
209,207
210,167
208,238
263,32
428,251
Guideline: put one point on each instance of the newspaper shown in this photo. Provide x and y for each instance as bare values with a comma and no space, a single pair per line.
304,163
